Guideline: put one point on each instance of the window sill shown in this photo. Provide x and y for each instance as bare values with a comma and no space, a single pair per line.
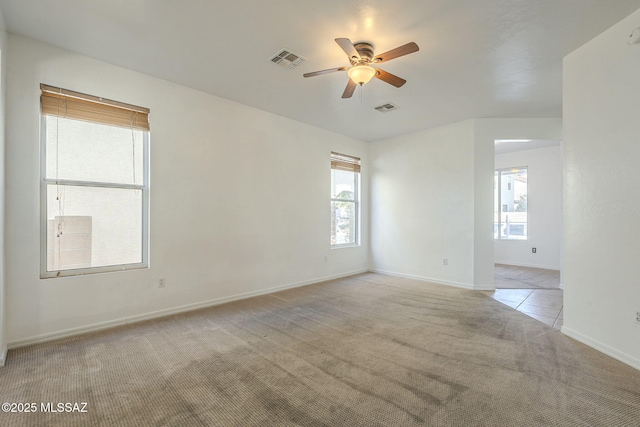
346,245
92,270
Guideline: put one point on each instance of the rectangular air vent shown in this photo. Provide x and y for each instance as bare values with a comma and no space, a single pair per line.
385,108
287,59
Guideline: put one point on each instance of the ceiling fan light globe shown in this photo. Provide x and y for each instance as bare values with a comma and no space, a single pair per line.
361,74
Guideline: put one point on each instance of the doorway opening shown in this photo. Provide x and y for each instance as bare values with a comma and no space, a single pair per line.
528,228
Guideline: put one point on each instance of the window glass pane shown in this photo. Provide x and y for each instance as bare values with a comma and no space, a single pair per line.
343,184
343,222
83,151
93,227
513,199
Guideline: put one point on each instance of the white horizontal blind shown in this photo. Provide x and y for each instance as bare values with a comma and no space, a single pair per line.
345,162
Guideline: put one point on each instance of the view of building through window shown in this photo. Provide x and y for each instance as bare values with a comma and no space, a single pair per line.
345,174
94,185
510,204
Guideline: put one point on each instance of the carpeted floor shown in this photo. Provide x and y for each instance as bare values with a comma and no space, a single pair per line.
369,350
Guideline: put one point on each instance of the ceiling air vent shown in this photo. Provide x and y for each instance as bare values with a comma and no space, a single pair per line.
287,59
385,108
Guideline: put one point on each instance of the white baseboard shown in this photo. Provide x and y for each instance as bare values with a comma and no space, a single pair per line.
519,264
3,354
603,348
436,281
166,312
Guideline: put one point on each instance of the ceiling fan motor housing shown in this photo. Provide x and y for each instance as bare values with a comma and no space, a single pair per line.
365,50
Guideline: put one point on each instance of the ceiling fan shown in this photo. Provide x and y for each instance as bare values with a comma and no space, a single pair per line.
362,58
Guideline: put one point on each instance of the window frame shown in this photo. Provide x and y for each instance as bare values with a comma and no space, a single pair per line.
44,182
356,204
498,203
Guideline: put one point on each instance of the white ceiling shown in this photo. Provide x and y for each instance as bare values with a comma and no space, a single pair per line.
509,146
477,58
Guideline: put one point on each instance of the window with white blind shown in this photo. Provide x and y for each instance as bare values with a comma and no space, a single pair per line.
345,205
95,184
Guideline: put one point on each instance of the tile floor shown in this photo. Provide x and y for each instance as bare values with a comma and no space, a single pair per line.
544,305
517,277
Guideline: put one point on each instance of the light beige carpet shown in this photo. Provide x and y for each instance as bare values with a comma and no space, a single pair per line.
370,350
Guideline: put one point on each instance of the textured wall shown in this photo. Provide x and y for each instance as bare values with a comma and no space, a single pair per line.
422,205
544,206
239,200
602,201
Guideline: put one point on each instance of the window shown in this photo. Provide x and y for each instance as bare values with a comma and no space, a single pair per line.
345,183
95,184
510,193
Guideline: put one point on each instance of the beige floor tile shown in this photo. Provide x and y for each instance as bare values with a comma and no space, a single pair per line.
552,292
512,302
511,295
544,319
531,291
541,311
512,277
515,292
509,303
545,301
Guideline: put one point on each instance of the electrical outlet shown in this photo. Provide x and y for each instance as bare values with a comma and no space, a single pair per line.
326,258
534,250
637,316
445,261
162,282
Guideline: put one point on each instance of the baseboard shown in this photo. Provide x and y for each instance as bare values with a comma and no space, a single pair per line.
603,348
94,327
436,281
3,354
167,312
218,301
518,264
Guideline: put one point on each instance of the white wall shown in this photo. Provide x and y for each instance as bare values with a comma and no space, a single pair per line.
3,77
544,209
602,201
239,201
422,204
432,198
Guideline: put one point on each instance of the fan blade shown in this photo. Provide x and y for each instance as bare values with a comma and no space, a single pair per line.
392,79
397,52
348,91
348,48
330,70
